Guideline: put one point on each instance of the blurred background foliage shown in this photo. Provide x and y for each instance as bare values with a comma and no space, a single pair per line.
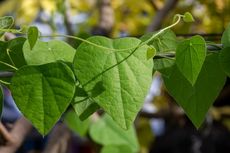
130,16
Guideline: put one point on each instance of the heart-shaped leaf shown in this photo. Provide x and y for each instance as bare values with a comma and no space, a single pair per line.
188,17
106,132
48,52
190,56
196,100
225,60
43,93
32,36
125,74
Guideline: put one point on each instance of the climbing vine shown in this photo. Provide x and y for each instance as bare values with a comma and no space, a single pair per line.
112,74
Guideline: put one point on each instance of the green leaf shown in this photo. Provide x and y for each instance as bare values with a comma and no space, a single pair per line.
83,105
1,100
197,99
225,39
11,53
106,132
164,66
85,108
126,76
188,17
165,42
32,35
190,56
48,52
75,124
6,22
151,52
225,60
43,93
116,149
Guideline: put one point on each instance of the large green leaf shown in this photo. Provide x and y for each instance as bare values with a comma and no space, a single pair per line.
225,60
197,99
125,75
47,52
106,132
43,93
190,56
75,124
225,40
116,149
5,23
11,53
1,100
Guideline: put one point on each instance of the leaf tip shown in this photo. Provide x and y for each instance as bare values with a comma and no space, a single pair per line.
188,17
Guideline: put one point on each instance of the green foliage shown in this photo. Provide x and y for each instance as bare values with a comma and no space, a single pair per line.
32,36
11,54
225,52
116,149
151,52
107,132
43,93
190,56
47,52
165,43
75,124
6,22
125,75
196,99
225,40
225,60
1,100
85,107
188,17
113,75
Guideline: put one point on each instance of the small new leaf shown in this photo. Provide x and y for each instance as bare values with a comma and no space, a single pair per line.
32,35
188,17
151,52
6,22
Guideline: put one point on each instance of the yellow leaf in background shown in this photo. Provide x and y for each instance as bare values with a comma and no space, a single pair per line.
49,5
27,11
117,3
7,7
82,6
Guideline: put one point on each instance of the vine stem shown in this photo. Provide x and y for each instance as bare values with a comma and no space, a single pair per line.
8,54
15,31
178,16
89,42
4,82
11,66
